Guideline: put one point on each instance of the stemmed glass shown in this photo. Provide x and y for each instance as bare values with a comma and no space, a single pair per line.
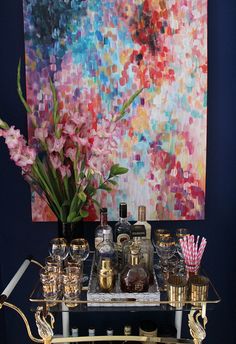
158,234
165,247
179,234
58,249
79,251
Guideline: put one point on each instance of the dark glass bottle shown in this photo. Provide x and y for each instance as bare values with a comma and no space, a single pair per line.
103,225
122,231
134,278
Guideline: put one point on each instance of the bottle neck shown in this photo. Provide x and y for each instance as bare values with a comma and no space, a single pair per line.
134,259
103,219
123,219
142,213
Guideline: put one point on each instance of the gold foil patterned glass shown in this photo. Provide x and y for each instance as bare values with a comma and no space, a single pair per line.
177,291
198,289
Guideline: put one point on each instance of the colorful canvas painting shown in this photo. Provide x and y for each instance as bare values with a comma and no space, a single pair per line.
98,53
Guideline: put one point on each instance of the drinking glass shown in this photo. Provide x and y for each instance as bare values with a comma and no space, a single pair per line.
158,235
71,288
79,249
180,234
58,249
49,287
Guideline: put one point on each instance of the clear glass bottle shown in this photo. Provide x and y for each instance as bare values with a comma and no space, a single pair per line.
91,333
142,221
106,250
138,233
99,230
134,278
122,231
75,332
109,332
128,332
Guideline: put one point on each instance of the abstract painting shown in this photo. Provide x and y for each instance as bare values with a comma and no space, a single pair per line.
98,53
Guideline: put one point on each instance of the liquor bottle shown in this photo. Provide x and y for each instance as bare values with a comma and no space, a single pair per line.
75,332
128,332
103,224
138,233
91,333
109,332
122,231
147,328
106,250
142,221
134,278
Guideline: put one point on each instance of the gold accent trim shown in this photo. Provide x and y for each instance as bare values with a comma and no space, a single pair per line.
197,330
44,328
22,315
37,263
120,338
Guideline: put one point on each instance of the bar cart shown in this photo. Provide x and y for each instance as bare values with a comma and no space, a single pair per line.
44,318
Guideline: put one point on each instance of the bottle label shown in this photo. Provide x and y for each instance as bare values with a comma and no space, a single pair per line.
97,241
121,238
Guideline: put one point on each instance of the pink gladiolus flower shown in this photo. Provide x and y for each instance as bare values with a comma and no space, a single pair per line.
54,144
55,160
78,119
71,153
69,129
82,140
41,133
65,171
12,137
20,153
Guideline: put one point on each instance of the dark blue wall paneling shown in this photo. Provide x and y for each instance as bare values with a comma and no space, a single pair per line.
20,237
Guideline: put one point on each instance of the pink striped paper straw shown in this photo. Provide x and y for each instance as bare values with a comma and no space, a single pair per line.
201,250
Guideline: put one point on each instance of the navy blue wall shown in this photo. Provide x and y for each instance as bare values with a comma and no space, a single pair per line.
19,236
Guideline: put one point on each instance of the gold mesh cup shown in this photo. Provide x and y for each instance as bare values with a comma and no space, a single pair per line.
177,291
198,289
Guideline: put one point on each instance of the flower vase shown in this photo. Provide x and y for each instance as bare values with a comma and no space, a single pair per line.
70,230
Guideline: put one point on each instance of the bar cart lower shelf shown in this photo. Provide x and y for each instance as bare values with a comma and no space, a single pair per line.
44,317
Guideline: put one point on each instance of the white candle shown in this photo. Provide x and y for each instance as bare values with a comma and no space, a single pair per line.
15,279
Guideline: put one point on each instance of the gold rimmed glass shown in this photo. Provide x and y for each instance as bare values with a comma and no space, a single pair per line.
79,249
58,249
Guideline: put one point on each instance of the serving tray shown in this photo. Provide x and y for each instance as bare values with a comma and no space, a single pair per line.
117,298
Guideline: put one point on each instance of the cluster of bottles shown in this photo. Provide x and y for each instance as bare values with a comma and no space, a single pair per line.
125,255
146,328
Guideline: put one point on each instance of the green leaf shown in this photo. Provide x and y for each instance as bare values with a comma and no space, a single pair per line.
3,125
113,182
128,103
117,170
91,190
77,219
71,216
74,203
84,213
82,196
105,187
19,89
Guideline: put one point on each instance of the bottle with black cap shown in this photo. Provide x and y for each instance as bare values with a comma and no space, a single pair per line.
103,225
122,231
